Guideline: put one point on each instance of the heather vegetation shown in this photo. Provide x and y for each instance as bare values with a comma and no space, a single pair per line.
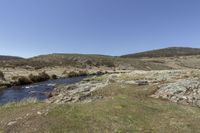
23,80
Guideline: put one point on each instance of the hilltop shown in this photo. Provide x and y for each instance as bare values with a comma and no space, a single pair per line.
166,52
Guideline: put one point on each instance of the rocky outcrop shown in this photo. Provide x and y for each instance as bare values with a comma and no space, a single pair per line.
79,92
184,91
179,86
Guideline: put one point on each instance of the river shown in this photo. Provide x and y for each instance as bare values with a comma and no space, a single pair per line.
37,90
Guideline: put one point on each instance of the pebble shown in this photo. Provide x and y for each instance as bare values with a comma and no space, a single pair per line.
39,113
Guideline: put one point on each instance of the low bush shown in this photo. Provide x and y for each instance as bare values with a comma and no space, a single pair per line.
99,73
83,73
54,76
44,76
65,72
77,74
2,75
22,80
33,78
108,63
40,77
73,74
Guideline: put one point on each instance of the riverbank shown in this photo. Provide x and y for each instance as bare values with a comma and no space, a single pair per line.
39,91
78,92
122,104
83,91
25,76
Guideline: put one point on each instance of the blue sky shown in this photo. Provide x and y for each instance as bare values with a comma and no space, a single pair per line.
113,27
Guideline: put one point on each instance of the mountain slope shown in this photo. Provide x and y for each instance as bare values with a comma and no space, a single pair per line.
75,59
166,52
4,57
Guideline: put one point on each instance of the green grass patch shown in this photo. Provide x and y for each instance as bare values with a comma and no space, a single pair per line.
125,108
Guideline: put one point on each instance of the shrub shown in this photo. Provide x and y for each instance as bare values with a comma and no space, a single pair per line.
108,63
2,75
83,73
99,73
38,78
65,72
22,80
15,78
89,62
73,74
44,76
77,74
54,76
33,78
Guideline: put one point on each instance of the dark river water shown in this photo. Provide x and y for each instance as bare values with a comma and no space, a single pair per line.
37,90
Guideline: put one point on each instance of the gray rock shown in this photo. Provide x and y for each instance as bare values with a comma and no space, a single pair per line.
79,92
185,91
11,123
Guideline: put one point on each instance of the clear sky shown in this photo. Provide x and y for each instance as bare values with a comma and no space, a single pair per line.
113,27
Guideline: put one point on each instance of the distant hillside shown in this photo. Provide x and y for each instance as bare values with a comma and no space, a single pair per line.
75,59
131,61
3,57
81,61
166,52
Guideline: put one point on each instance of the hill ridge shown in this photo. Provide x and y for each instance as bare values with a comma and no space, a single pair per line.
165,52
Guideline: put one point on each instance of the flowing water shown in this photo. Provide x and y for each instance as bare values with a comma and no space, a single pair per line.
38,90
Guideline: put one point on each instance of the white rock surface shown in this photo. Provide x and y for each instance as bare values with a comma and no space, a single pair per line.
185,91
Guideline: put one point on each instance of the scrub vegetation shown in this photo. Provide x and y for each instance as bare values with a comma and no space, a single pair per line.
123,98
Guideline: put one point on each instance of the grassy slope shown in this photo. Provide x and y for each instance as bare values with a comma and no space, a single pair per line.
75,60
98,60
166,52
4,57
82,61
125,108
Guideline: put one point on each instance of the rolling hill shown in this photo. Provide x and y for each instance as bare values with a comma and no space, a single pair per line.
166,52
75,59
130,61
4,57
